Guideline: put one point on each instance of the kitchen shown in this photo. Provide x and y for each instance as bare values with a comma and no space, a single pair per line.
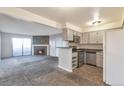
82,48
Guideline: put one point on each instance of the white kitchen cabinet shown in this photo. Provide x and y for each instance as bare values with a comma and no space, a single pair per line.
100,37
78,33
75,33
67,34
99,59
81,37
85,38
93,37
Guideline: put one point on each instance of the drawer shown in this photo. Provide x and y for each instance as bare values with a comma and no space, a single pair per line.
100,53
73,58
74,54
74,61
74,66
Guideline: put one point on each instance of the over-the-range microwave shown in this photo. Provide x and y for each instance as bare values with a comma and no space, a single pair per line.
76,39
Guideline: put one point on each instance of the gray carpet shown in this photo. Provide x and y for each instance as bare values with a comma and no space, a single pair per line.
43,71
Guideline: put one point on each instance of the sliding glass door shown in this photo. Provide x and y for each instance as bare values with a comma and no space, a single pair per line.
26,46
17,46
21,46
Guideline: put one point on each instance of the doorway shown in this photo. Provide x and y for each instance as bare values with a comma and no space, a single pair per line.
21,46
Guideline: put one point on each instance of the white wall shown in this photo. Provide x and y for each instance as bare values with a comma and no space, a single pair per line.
6,43
12,25
23,14
0,45
114,57
53,40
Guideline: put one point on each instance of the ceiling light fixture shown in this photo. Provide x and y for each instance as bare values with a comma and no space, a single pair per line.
97,22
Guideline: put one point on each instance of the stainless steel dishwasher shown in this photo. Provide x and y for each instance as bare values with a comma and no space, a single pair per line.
91,58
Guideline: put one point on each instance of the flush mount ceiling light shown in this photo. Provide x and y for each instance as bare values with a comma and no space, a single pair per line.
94,22
97,22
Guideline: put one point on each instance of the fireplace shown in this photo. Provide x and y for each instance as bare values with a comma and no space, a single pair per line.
40,50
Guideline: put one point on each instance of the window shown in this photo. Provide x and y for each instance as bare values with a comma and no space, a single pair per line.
21,46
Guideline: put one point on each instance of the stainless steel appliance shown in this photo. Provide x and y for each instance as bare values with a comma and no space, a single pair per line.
76,39
91,58
80,57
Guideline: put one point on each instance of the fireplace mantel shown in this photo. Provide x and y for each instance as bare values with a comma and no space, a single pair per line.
48,48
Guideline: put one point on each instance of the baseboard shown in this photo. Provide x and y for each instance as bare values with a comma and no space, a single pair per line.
65,69
106,84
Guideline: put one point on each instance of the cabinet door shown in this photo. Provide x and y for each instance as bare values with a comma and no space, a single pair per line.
93,37
75,33
99,59
78,33
100,37
85,38
64,34
81,37
67,34
70,35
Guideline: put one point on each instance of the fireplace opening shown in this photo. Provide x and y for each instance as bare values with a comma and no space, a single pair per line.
40,50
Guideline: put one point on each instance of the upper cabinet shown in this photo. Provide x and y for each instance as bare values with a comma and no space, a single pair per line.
68,34
75,33
92,37
85,38
71,35
95,37
80,36
100,37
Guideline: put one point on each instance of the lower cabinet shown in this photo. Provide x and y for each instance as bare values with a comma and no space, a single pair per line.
94,58
74,60
99,60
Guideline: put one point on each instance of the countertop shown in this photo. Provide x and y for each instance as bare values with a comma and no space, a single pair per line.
88,50
63,47
83,49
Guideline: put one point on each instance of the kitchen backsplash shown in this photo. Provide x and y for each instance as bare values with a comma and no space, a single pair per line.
91,46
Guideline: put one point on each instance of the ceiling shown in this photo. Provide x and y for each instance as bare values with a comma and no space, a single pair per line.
45,20
79,16
11,24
